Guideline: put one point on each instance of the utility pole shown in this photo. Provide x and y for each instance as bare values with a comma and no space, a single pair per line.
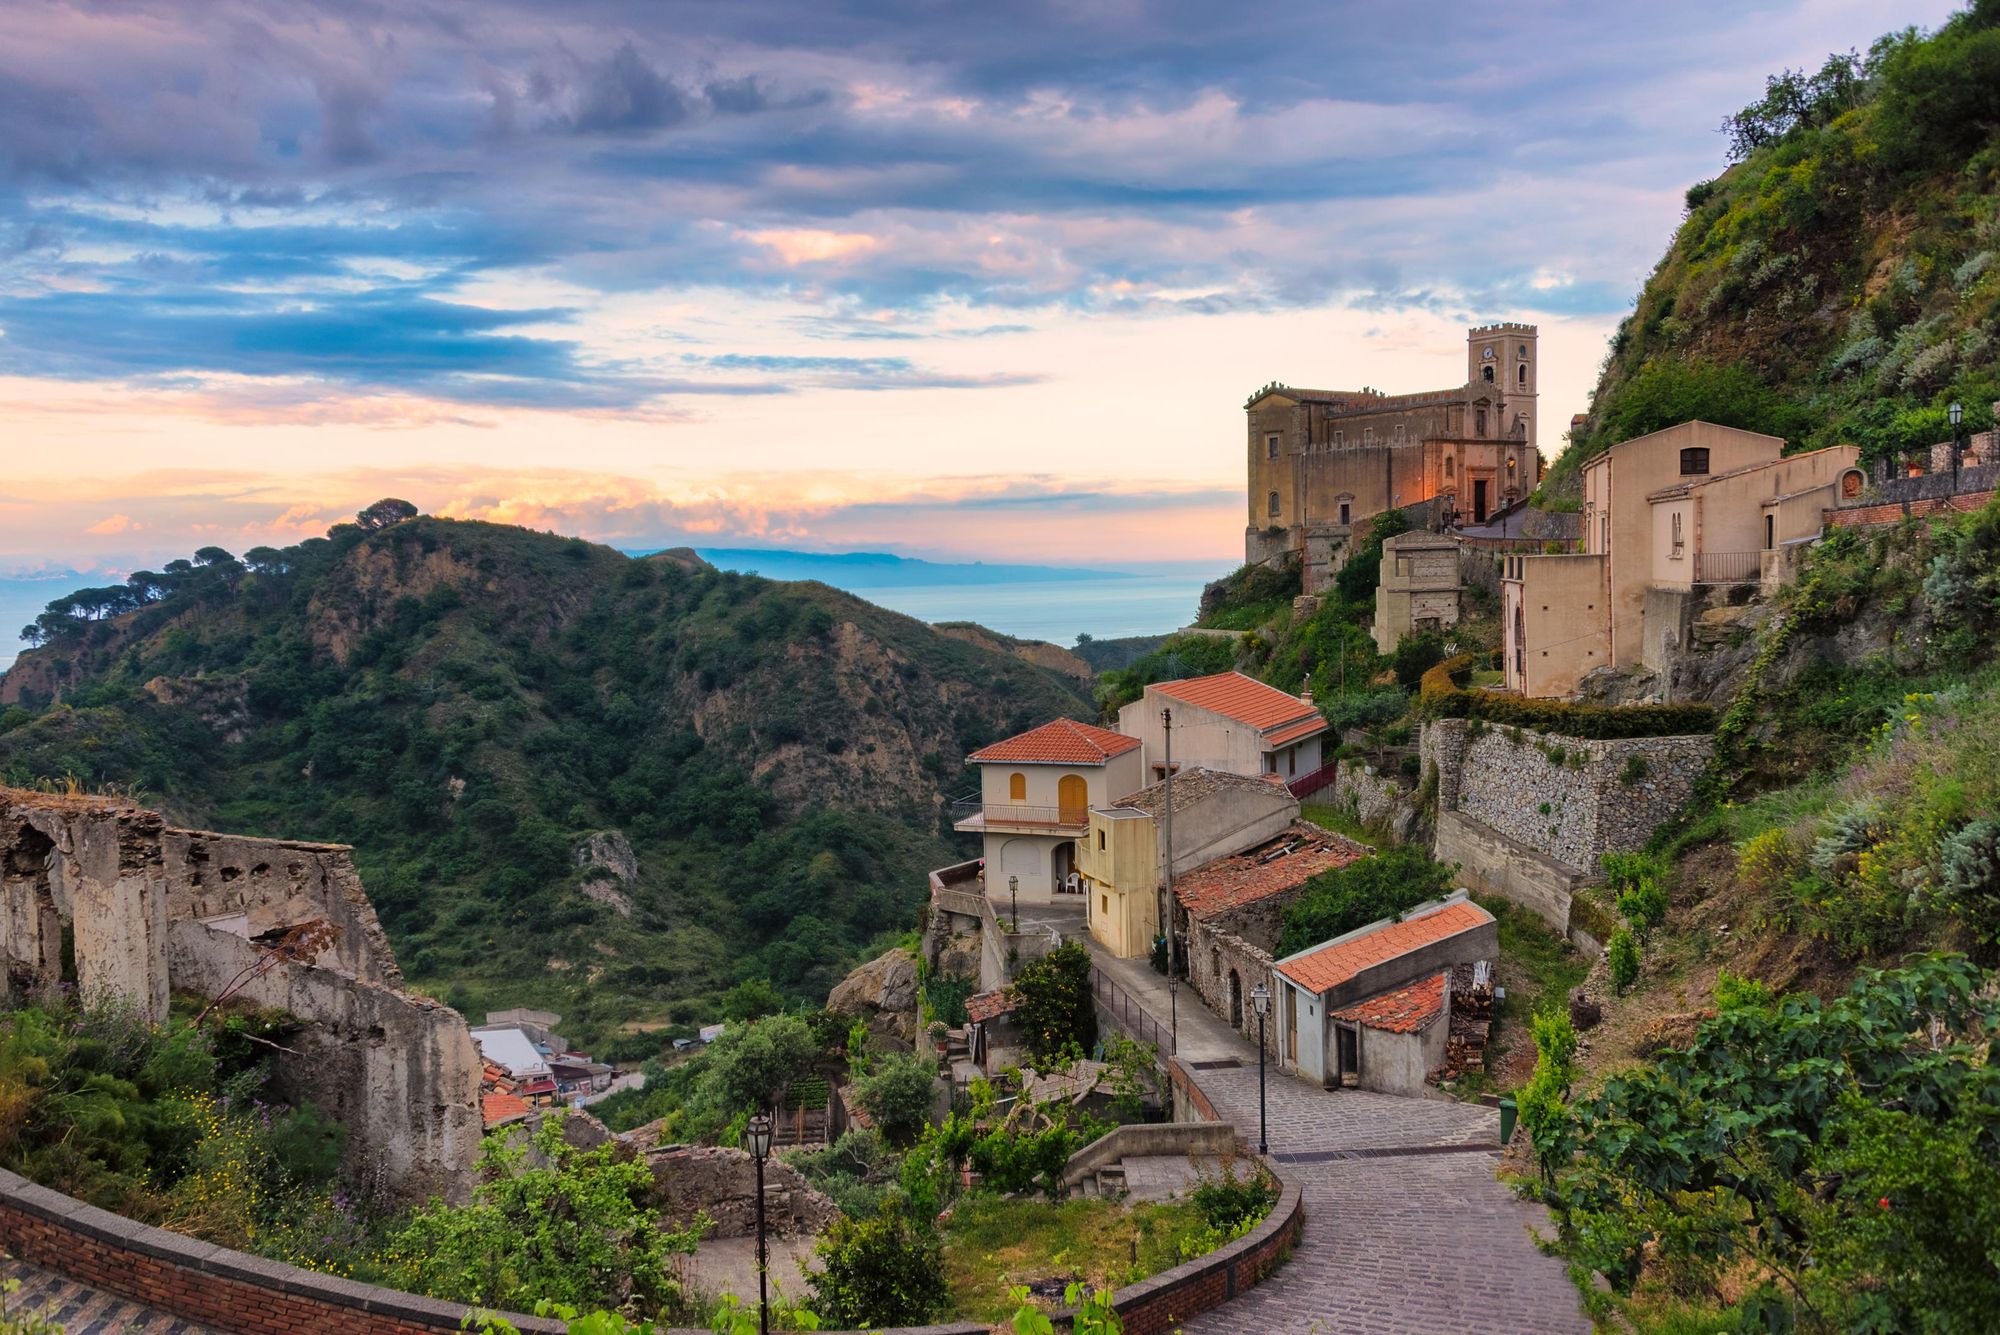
1173,983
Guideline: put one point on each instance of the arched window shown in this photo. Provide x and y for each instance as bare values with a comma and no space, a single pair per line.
1486,372
1271,502
1017,787
1524,373
1447,465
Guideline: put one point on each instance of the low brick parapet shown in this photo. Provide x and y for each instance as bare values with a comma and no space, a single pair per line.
1894,512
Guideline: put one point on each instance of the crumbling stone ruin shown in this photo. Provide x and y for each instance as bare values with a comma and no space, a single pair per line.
101,893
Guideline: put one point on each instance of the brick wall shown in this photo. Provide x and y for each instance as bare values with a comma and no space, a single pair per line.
1894,512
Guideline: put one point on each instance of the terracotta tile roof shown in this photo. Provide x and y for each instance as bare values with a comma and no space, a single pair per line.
985,1006
1271,868
1294,732
496,1107
1062,741
1330,965
1244,699
1407,1010
1192,786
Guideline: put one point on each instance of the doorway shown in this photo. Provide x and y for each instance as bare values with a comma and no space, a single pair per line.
1479,500
1235,1000
1348,1058
1067,881
1770,532
1292,1026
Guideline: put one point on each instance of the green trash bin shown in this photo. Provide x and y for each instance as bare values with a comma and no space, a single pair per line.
1506,1120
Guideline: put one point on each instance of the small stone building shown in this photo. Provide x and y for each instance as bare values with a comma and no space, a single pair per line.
1419,587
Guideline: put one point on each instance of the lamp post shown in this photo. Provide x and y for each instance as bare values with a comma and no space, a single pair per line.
759,1133
1260,997
1014,903
1957,415
1173,983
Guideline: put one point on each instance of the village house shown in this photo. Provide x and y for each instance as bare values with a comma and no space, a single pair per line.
1229,722
1418,590
1369,1008
538,1063
1123,861
1036,790
1323,463
1694,506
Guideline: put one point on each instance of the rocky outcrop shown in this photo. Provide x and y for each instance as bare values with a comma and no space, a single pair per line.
223,703
882,992
610,850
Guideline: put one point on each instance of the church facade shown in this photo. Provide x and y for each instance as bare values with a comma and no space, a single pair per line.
1322,463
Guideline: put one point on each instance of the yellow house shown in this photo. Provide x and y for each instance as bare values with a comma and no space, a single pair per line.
1120,862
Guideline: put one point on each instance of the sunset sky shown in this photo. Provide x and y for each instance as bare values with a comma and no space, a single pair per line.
960,281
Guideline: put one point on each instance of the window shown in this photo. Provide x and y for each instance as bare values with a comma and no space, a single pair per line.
1270,447
1017,787
1523,373
1680,546
1292,762
1479,422
1100,841
1486,374
1524,350
1447,465
1346,513
1271,502
1367,435
1694,462
1104,904
1339,438
1271,762
1399,432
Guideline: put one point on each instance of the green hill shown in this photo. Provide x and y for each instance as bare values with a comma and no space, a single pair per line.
467,704
1840,282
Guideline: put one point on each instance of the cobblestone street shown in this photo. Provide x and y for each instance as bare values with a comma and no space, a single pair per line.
1420,1240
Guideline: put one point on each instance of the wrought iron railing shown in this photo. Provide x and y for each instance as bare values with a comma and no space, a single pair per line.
1728,567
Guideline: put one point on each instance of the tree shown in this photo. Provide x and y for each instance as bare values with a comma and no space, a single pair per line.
899,1094
1053,1005
750,1065
751,999
385,513
886,1270
213,556
581,1231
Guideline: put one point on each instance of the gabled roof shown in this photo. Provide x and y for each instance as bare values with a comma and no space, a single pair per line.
1061,741
1407,1010
1325,967
496,1108
1245,700
984,1006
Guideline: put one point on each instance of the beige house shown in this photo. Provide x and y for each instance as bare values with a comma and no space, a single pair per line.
1036,791
1123,858
1693,505
1418,589
1226,722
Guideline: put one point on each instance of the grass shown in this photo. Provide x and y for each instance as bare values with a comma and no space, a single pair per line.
1537,967
1343,820
992,1244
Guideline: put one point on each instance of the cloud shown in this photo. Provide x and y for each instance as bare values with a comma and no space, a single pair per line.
113,524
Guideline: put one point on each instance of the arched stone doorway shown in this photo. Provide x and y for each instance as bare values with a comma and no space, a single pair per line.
1235,999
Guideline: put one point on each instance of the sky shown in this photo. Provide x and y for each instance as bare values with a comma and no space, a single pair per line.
962,281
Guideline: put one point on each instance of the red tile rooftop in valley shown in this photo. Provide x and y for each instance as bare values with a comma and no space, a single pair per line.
1326,967
1063,741
1407,1010
1246,700
496,1107
1273,867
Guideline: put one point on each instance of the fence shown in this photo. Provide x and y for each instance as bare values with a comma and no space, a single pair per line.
1307,784
1130,1015
1728,567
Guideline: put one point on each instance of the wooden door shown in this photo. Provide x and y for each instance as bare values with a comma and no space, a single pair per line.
1073,797
1292,1026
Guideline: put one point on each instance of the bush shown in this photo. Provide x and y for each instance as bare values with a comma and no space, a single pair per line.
1226,1201
1053,1005
1543,1103
1378,886
899,1094
1734,992
1638,886
1440,696
1623,953
886,1270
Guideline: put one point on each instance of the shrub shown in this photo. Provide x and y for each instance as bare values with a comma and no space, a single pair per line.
1634,770
1623,953
1226,1201
1440,696
1543,1102
886,1270
1766,862
1969,877
1734,992
1638,886
1377,886
899,1094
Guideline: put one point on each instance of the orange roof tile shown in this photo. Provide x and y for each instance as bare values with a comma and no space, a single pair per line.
1249,876
1244,699
1061,741
1330,965
496,1107
1404,1011
1303,728
987,1005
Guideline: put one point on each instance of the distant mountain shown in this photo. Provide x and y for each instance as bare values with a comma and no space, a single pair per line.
573,779
881,570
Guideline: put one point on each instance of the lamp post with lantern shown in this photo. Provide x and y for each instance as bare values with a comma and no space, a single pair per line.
1260,997
1957,415
758,1133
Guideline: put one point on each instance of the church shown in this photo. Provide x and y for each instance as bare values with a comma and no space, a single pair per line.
1322,463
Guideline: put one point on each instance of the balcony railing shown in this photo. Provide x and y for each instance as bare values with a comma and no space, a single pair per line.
1728,567
973,814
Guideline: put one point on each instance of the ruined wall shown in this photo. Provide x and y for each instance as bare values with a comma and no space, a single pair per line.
145,908
1213,953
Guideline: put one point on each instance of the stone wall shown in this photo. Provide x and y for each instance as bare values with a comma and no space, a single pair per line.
722,1183
1493,864
1532,787
1213,954
1375,800
148,909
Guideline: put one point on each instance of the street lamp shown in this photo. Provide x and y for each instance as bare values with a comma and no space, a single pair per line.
1957,415
759,1134
1173,983
1014,902
1260,997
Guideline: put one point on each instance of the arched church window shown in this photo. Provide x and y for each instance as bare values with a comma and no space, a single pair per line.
1272,502
1447,465
1487,373
1524,374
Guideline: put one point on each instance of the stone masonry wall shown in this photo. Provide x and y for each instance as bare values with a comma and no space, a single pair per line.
1532,788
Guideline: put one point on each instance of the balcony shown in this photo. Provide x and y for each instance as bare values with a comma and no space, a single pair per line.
1728,567
976,816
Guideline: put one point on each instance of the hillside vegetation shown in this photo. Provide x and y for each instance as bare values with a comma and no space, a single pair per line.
1840,282
469,704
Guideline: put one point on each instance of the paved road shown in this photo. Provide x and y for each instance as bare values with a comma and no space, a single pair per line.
82,1310
1413,1236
